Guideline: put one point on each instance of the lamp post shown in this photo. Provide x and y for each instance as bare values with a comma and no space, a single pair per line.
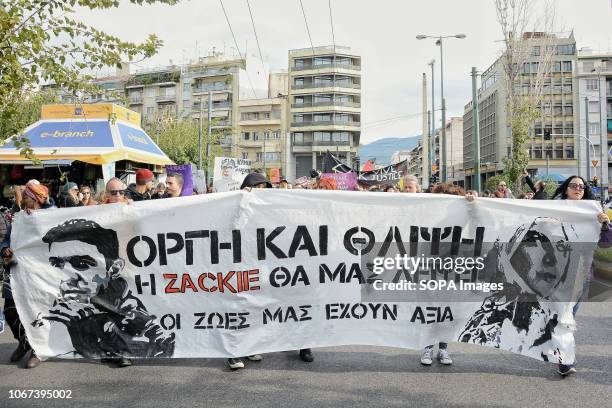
439,39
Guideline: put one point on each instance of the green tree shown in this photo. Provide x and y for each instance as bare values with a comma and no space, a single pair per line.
178,138
29,111
522,28
41,42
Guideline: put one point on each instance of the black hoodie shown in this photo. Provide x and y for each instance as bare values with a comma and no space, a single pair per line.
134,195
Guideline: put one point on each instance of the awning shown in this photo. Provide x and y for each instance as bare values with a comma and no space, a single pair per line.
98,141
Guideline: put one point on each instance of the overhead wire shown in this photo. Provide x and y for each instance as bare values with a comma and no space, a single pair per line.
257,41
307,28
237,47
331,19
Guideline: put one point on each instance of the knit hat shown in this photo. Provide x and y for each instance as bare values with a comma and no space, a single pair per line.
36,191
69,186
144,175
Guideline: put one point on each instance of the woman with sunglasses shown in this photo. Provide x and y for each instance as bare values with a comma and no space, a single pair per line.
576,188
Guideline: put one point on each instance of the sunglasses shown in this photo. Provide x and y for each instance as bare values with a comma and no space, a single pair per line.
117,192
576,186
78,262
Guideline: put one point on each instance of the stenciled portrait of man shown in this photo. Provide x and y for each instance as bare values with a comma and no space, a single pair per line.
103,318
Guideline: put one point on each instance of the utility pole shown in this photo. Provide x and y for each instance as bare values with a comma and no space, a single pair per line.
200,135
209,132
588,153
264,154
443,134
425,138
601,140
432,135
475,131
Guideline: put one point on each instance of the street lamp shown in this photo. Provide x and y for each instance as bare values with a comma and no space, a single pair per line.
439,39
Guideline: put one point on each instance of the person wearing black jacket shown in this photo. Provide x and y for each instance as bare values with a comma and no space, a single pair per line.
538,189
141,190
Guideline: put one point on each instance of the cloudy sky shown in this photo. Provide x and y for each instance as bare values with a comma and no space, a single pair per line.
382,32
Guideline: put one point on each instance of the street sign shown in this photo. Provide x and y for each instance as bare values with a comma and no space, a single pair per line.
594,162
434,167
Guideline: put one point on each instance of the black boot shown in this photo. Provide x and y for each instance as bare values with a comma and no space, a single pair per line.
20,351
306,355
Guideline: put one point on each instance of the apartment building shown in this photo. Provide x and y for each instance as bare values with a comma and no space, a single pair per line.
325,106
263,125
554,134
454,153
594,102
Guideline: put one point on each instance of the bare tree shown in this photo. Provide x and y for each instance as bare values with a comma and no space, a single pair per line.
526,63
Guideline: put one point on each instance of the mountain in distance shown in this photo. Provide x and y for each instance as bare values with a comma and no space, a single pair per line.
382,149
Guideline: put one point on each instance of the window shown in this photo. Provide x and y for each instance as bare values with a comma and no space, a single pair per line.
246,135
569,130
593,107
255,136
538,130
245,155
150,92
547,133
298,100
150,111
526,68
594,128
322,60
269,156
546,108
266,115
558,130
592,84
186,87
566,49
557,66
537,152
567,66
322,137
276,135
569,152
266,135
568,110
535,66
298,137
535,51
557,110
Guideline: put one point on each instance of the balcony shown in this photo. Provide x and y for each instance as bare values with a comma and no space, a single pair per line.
212,88
209,73
154,78
326,123
327,85
165,98
328,66
215,106
221,123
331,103
321,143
135,100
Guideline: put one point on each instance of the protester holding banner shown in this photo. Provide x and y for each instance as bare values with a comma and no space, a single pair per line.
411,184
503,191
174,185
69,196
35,197
87,196
576,188
141,190
538,189
114,192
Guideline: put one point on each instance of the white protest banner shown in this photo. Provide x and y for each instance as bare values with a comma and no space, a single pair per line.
229,173
241,273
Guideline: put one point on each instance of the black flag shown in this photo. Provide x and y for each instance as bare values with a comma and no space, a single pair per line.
331,164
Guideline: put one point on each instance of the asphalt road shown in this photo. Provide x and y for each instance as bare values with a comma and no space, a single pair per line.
340,376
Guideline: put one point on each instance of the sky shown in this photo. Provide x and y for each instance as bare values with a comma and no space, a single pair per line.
383,32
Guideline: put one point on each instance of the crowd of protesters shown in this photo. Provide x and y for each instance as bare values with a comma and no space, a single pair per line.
35,196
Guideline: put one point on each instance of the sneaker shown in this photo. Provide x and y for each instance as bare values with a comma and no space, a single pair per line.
306,355
255,357
123,362
426,356
444,358
565,370
235,363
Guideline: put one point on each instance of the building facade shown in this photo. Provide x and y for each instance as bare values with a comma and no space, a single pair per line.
594,102
554,134
325,106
